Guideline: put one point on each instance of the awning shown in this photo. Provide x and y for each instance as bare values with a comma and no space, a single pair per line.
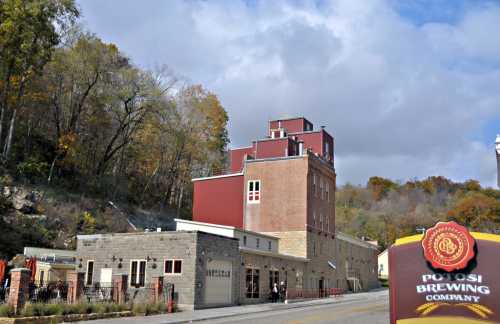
332,264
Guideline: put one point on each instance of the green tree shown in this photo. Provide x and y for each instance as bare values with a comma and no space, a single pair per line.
28,35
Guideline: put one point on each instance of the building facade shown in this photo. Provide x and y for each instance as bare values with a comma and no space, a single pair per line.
269,219
284,186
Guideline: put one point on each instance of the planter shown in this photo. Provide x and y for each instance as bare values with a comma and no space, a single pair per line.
62,318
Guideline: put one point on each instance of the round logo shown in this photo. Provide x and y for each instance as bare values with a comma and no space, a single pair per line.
448,246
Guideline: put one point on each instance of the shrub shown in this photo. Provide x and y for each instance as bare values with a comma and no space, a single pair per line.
139,309
6,311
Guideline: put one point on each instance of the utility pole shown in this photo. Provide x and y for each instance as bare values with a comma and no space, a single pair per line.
497,151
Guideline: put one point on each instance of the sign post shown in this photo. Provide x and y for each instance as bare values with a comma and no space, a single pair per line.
446,275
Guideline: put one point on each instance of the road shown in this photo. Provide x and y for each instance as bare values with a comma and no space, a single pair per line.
370,310
364,308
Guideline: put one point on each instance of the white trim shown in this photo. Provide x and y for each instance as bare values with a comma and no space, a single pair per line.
217,177
173,267
87,273
138,272
178,220
273,254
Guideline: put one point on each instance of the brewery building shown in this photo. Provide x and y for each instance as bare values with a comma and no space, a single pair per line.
269,219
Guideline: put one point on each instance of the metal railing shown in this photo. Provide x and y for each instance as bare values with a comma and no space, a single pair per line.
48,293
313,293
100,293
4,295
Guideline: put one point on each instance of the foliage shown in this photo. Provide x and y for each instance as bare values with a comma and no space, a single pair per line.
6,311
91,123
385,210
39,309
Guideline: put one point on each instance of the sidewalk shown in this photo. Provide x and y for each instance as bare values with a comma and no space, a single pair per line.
217,313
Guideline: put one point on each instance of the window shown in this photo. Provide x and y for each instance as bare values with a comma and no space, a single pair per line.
314,219
173,266
253,191
137,273
327,219
327,189
269,245
252,283
321,187
314,184
257,243
321,221
274,278
42,275
244,240
90,273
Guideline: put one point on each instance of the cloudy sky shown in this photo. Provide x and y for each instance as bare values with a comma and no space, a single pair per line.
408,88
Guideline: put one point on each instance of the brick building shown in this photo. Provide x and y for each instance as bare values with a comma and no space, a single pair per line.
284,185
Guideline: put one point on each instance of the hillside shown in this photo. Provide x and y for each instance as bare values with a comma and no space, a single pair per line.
384,210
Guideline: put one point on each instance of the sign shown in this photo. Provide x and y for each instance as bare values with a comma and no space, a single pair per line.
448,246
446,275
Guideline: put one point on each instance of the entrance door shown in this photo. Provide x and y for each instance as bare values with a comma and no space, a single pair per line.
106,277
321,287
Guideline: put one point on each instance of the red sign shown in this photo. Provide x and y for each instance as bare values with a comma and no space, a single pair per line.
448,246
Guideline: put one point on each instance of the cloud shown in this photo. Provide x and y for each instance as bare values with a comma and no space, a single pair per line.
402,100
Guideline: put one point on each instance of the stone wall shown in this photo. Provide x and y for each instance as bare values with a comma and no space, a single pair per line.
116,251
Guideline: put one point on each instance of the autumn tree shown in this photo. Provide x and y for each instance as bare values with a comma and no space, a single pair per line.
28,35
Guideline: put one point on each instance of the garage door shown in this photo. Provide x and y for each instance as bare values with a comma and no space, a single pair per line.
218,282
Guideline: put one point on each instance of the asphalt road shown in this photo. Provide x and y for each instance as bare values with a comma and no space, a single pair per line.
363,308
369,311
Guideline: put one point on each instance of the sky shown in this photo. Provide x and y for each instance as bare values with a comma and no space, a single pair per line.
408,88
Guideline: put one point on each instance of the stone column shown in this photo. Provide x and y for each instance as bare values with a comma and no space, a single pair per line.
120,284
157,289
75,286
19,288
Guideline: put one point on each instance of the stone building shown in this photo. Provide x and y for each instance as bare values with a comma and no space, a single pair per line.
204,268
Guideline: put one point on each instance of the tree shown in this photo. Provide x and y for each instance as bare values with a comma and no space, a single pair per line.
28,35
476,211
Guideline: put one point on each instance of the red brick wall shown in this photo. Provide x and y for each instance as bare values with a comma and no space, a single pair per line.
219,201
291,125
236,157
271,148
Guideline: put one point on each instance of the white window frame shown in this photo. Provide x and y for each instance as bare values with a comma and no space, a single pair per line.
254,193
87,273
138,274
173,267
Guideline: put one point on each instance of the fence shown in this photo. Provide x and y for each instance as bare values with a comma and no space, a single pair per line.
4,295
49,293
100,293
313,293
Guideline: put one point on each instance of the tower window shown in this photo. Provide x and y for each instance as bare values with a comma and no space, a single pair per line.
253,194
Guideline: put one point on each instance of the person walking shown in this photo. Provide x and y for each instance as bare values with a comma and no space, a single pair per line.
274,293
